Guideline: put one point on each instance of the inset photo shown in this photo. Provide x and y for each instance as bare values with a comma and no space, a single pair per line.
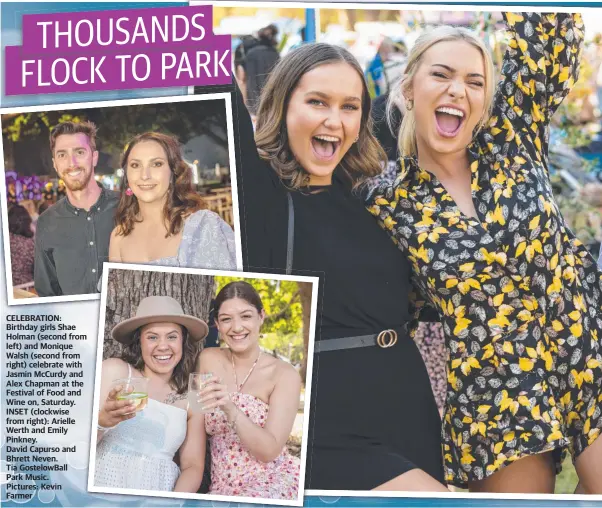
133,181
202,384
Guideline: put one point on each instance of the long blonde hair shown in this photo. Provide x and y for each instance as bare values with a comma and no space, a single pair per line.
407,132
364,159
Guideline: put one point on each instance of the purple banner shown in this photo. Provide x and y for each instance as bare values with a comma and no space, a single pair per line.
118,50
71,73
117,30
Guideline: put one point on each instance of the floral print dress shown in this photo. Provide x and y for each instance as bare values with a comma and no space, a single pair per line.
234,471
517,293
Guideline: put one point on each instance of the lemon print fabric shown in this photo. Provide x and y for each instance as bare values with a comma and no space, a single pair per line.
519,297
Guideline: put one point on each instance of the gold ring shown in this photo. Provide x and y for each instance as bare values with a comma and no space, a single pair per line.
387,338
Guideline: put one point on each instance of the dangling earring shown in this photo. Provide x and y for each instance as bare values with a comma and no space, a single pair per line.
409,104
129,192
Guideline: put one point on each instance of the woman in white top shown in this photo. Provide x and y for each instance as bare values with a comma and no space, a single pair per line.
136,450
160,219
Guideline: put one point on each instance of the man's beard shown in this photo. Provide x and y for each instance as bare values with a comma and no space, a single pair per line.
77,185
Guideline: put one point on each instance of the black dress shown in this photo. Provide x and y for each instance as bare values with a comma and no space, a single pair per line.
373,415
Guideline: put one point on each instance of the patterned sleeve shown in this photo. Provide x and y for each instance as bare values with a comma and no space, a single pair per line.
540,67
382,202
209,243
420,310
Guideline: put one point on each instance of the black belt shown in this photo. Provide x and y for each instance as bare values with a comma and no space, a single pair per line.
384,339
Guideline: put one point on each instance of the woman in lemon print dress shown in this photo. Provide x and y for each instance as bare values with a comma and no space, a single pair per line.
518,295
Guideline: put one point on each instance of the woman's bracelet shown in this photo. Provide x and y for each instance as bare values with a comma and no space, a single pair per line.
104,429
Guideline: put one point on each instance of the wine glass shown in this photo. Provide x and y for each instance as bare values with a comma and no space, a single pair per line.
134,389
196,382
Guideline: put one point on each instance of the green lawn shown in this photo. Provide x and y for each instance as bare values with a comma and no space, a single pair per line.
566,482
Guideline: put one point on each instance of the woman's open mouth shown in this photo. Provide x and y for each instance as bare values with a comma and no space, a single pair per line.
163,359
239,337
325,147
448,121
146,186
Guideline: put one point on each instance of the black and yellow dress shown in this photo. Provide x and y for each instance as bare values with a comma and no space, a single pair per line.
518,295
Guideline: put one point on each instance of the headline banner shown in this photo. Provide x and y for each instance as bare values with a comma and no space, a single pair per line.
118,50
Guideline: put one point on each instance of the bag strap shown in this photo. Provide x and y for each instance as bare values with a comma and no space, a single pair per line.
291,234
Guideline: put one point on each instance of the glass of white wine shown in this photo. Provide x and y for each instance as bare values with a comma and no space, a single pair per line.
134,389
196,382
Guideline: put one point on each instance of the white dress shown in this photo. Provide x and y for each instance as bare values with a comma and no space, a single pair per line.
138,453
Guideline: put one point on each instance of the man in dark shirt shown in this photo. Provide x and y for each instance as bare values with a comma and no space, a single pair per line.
72,236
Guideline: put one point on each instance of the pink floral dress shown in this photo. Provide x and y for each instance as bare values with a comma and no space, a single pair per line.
234,471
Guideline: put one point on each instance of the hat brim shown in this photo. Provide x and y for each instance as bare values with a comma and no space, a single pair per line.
124,331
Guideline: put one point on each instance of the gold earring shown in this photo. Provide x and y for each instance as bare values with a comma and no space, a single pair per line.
409,104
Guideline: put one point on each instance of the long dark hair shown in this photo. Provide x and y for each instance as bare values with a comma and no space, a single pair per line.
181,198
19,221
132,354
364,159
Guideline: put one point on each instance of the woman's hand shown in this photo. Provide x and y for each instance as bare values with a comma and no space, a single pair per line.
115,411
215,394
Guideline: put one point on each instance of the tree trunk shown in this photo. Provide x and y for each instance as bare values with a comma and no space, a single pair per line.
305,295
126,288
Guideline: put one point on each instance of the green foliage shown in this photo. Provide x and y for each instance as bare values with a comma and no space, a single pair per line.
583,217
117,125
20,126
283,326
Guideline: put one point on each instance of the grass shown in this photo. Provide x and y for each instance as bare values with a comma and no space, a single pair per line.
567,480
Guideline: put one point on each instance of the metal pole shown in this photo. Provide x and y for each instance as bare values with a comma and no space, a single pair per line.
310,25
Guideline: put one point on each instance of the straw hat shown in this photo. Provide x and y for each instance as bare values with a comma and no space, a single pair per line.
159,309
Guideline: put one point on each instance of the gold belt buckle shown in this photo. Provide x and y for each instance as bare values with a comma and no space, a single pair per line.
387,338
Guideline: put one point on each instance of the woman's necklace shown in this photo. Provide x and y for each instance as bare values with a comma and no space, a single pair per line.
239,388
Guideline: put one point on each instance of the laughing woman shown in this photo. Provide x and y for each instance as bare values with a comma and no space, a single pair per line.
136,450
258,399
314,144
160,219
518,295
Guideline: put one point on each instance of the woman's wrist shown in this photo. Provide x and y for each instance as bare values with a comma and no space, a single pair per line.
232,417
103,425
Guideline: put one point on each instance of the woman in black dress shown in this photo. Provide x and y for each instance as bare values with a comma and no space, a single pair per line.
373,423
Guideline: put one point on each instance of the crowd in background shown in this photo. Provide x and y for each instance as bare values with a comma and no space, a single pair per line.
22,218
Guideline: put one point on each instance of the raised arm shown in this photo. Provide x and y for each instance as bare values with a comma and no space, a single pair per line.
111,411
261,196
267,442
540,67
